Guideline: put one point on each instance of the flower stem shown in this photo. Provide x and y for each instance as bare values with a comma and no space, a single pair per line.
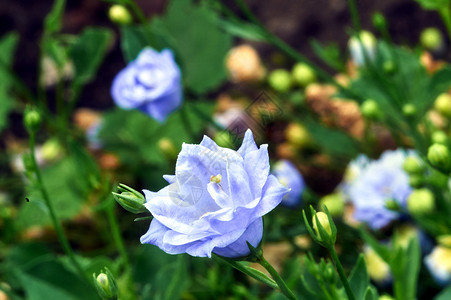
276,276
352,5
59,230
445,14
341,272
117,237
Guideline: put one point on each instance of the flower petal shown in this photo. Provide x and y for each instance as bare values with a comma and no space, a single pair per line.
248,144
155,236
273,192
257,168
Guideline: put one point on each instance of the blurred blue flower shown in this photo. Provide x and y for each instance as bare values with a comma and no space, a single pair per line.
215,201
151,83
289,177
373,183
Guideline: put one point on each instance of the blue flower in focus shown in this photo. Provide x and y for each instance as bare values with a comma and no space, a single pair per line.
215,201
375,183
289,177
151,83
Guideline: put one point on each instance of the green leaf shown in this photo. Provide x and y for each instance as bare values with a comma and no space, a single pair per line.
8,44
89,52
433,4
54,19
382,251
371,294
445,294
242,30
359,279
133,40
330,54
200,44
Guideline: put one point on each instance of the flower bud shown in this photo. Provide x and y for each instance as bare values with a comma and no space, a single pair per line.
416,181
119,14
443,104
51,149
280,80
392,204
386,297
377,268
439,157
444,240
421,202
362,46
303,74
334,203
439,137
413,165
370,109
244,65
224,139
32,120
432,39
166,147
324,221
409,110
105,285
379,21
297,135
130,199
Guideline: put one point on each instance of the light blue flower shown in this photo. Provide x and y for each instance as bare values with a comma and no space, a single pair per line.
376,182
151,83
290,177
215,201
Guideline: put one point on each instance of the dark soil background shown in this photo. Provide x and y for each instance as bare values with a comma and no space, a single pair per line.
295,21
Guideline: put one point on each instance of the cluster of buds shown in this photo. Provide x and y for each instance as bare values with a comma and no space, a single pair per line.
301,75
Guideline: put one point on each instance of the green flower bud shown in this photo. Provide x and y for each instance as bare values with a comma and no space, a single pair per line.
409,110
32,120
303,74
439,157
386,297
413,165
105,285
280,80
324,221
130,199
119,15
416,181
378,269
297,135
166,146
379,21
421,202
389,66
224,139
51,149
444,240
443,104
334,203
370,109
431,38
439,137
392,205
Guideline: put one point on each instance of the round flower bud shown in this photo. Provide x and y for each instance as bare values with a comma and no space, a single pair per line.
438,263
334,203
119,15
370,109
413,165
416,181
297,135
409,110
150,83
439,157
51,149
166,146
431,38
379,21
244,65
389,66
421,202
365,46
439,137
303,74
280,80
324,221
32,120
377,268
105,285
386,297
444,240
443,104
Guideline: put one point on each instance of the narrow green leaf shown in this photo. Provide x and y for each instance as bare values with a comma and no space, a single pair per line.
54,19
359,279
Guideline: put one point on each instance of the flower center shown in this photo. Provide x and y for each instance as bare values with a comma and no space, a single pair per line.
216,179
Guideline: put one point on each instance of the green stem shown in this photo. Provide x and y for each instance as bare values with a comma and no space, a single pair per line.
276,276
119,242
341,272
143,20
446,18
352,5
59,230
